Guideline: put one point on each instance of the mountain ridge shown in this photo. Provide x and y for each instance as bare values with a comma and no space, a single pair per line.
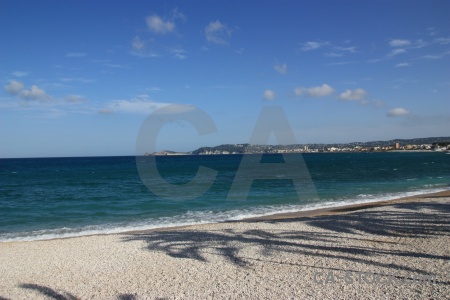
428,143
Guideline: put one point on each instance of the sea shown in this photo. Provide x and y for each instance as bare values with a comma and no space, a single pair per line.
46,198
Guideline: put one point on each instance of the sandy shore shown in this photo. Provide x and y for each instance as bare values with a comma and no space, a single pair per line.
373,251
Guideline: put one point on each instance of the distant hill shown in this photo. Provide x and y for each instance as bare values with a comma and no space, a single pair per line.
354,146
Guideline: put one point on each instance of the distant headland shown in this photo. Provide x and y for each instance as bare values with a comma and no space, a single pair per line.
416,144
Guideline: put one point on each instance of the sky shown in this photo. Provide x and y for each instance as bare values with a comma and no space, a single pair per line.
78,78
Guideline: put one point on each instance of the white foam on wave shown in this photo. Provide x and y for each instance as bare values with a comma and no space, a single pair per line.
203,217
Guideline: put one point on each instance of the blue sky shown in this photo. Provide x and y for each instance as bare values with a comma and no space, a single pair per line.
79,77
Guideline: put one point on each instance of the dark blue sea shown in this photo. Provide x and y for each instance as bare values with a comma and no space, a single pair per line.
43,198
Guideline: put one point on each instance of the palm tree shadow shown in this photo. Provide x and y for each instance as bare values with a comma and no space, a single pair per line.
408,221
49,292
330,242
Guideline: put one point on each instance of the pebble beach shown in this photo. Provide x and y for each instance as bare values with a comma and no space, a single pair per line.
395,249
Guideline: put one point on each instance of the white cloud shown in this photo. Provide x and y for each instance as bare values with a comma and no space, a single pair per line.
153,89
396,51
432,31
76,54
334,54
14,87
18,89
75,99
342,63
140,53
217,33
77,79
35,93
399,43
317,91
20,73
137,43
402,65
435,56
179,53
347,49
175,109
442,41
117,66
157,25
269,95
282,69
106,111
308,46
397,112
240,50
140,105
176,14
298,91
349,95
420,44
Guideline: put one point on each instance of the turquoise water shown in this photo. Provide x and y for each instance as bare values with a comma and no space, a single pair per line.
43,198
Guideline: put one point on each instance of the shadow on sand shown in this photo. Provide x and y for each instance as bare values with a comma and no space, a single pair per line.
340,238
343,237
62,295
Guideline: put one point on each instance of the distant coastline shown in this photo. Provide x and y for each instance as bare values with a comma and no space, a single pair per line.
431,144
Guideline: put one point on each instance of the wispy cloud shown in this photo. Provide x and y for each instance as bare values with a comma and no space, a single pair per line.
282,69
137,44
134,106
308,46
332,49
19,73
217,33
179,53
341,63
269,95
435,56
144,53
334,54
75,99
346,49
432,31
396,51
402,65
76,54
141,105
442,41
77,79
117,66
399,43
153,89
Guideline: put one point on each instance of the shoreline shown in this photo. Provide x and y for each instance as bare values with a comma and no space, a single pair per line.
289,256
348,208
314,212
308,212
